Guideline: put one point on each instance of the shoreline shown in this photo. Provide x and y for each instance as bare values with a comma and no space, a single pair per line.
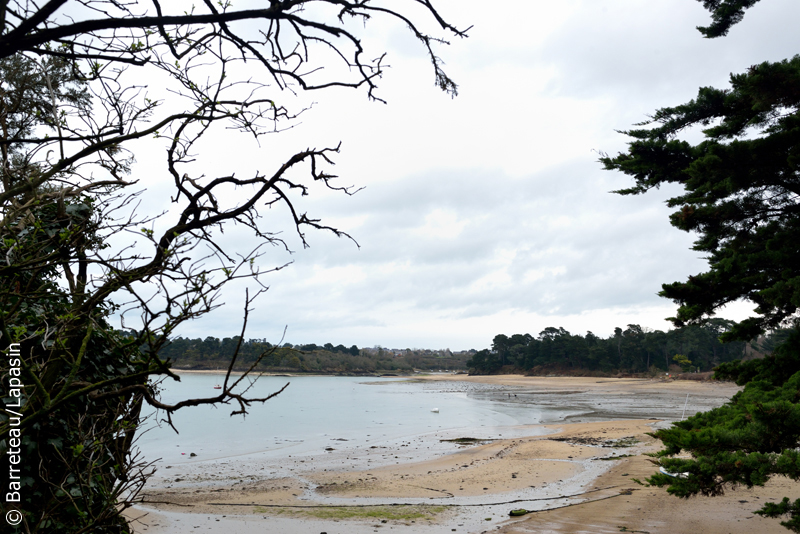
221,372
447,376
468,487
464,486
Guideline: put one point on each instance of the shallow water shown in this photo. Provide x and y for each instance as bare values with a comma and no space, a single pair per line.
319,411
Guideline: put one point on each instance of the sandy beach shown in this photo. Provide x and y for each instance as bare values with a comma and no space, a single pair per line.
575,477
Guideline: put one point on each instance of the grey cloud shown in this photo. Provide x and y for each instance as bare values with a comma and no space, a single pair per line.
610,251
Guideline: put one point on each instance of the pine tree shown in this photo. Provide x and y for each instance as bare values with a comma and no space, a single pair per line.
742,198
742,192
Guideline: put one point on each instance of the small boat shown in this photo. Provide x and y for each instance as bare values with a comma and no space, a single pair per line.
518,512
217,387
435,410
673,475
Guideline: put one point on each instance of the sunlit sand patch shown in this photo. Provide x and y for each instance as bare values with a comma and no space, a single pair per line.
498,467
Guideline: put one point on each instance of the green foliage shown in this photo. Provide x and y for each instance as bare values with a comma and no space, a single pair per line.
684,362
724,14
782,508
776,368
210,353
28,90
81,444
740,192
745,442
742,198
634,349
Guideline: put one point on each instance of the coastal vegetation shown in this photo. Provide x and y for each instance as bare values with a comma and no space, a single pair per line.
213,353
86,88
632,350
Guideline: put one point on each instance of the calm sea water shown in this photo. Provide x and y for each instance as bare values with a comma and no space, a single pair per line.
317,409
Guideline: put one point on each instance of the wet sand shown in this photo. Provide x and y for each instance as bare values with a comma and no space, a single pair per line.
576,475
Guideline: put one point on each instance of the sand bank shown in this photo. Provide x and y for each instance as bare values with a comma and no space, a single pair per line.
595,384
652,510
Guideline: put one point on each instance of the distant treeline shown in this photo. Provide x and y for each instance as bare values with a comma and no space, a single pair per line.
215,353
633,350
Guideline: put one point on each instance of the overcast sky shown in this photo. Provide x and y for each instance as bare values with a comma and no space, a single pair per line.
489,213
